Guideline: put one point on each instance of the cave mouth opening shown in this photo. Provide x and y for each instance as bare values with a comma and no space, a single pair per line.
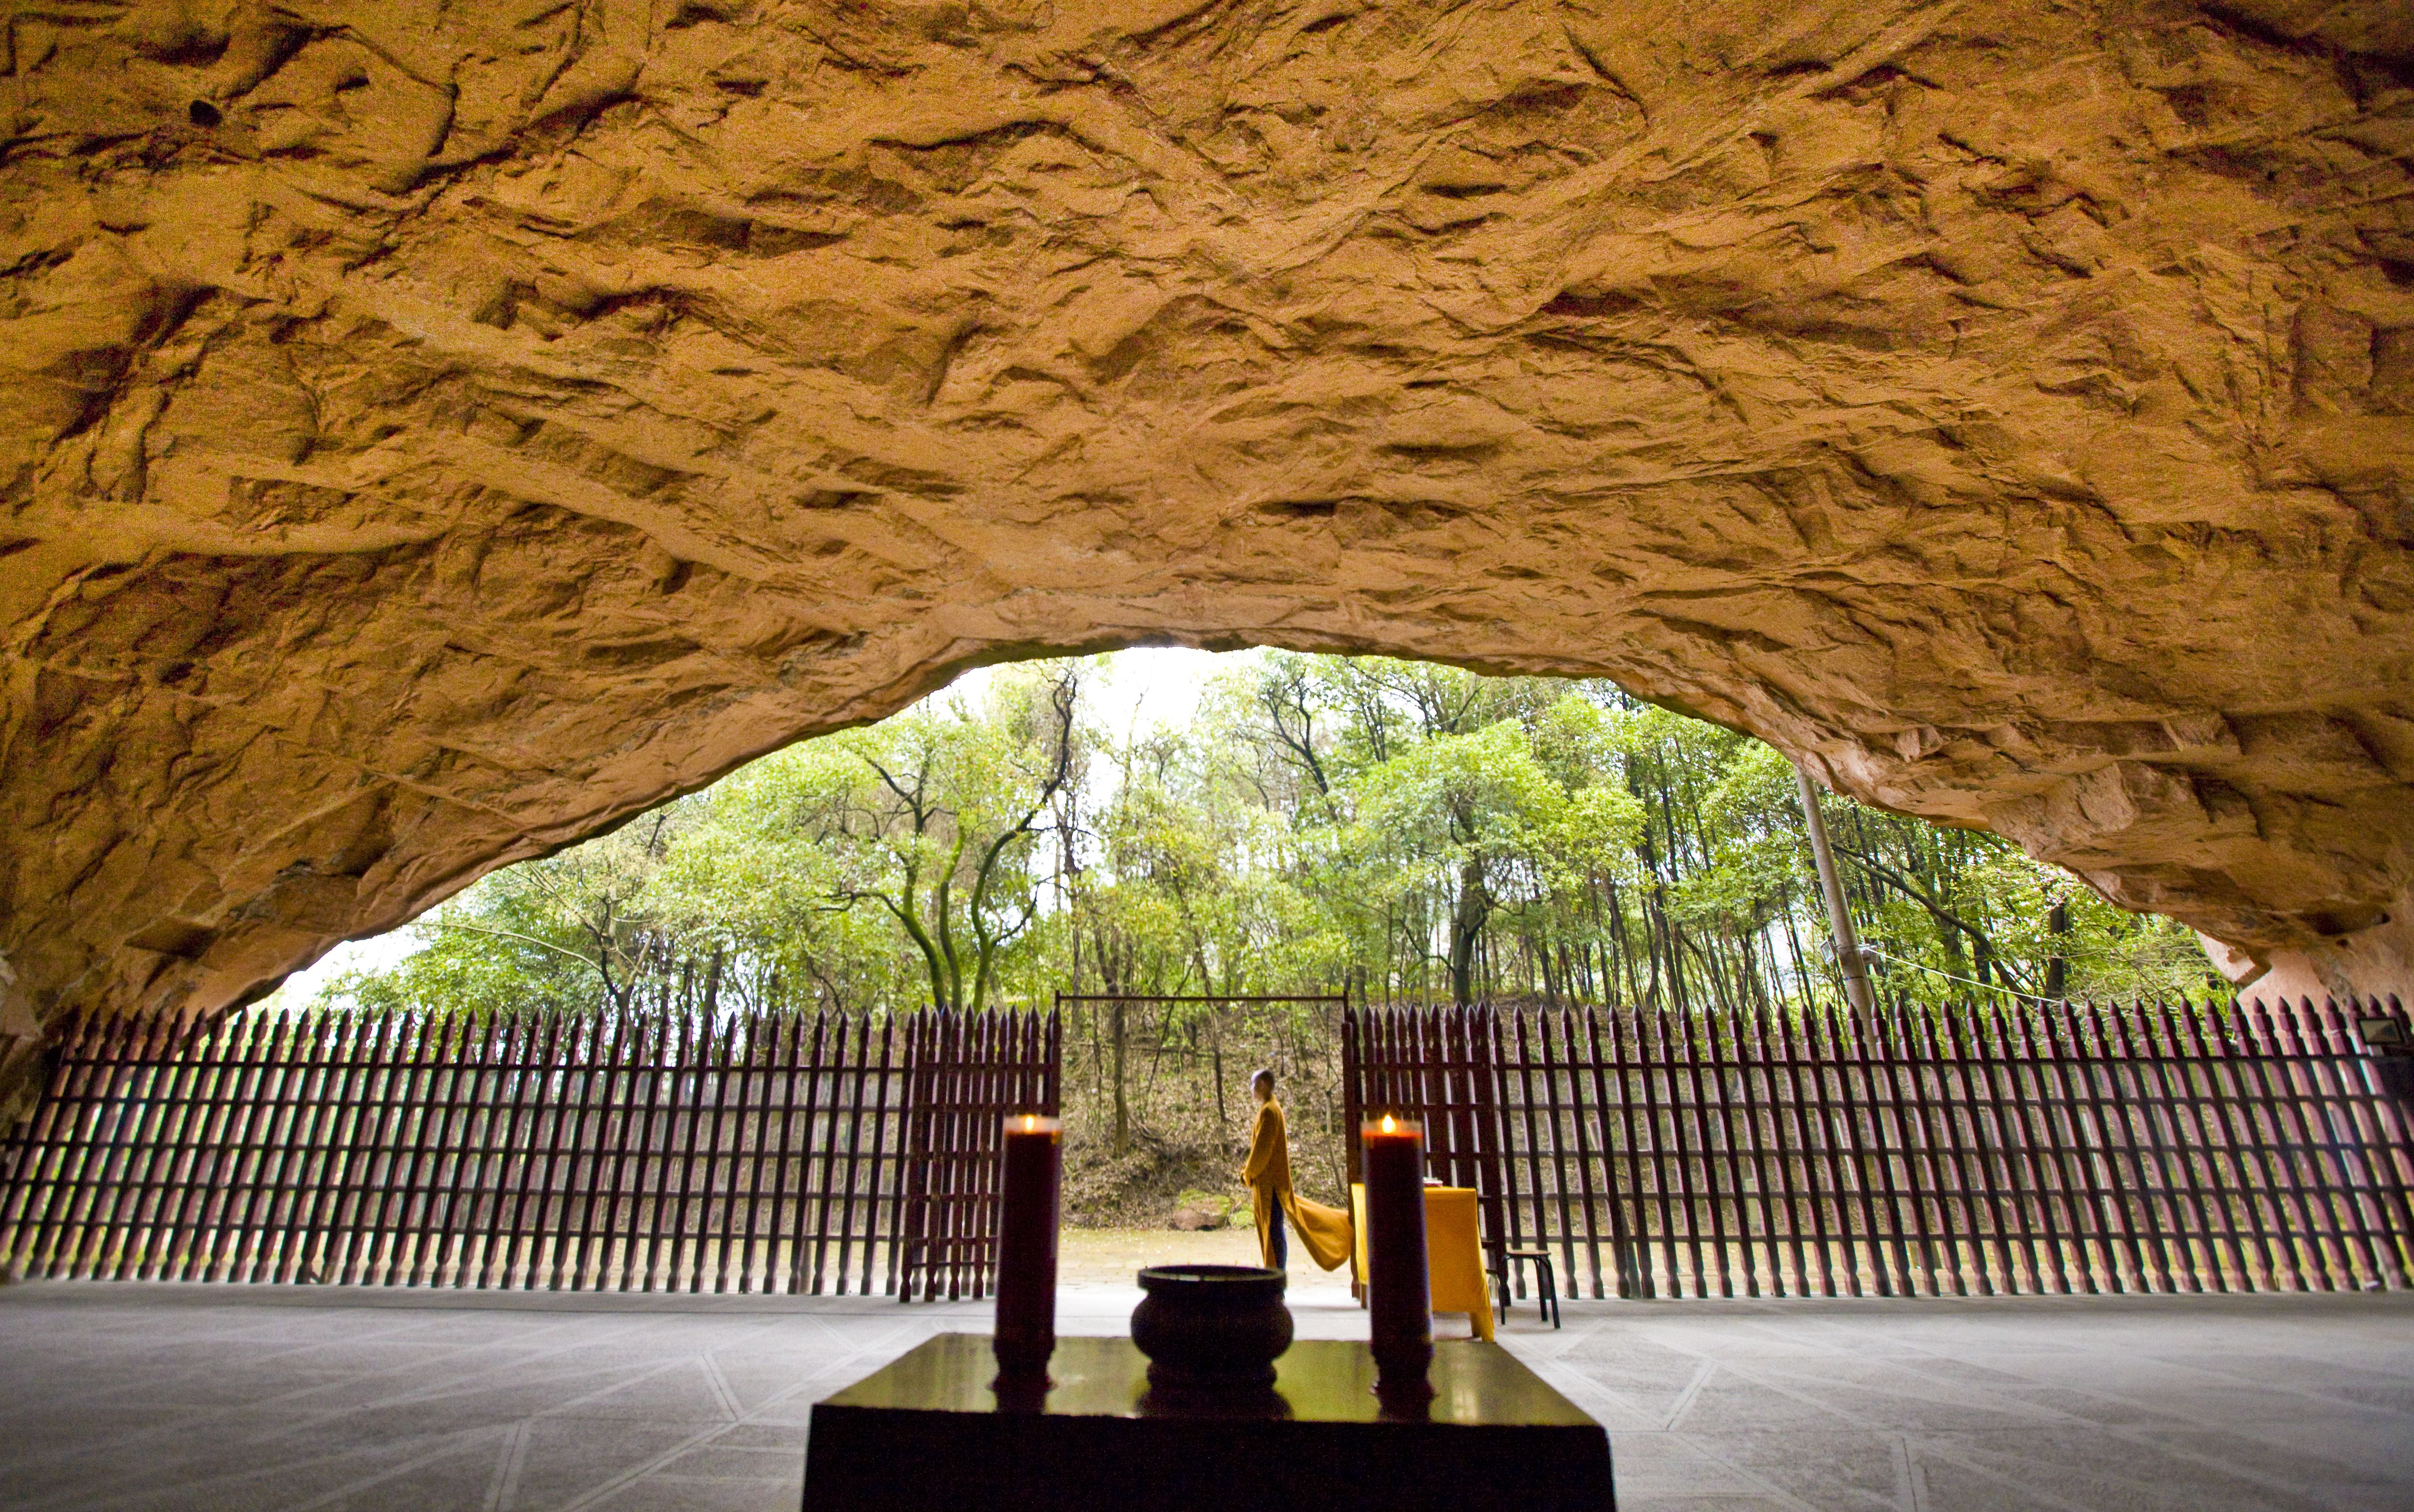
1537,839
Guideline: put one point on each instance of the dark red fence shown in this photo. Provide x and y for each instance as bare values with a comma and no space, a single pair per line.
969,1072
1441,1066
594,1151
2047,1149
2076,1149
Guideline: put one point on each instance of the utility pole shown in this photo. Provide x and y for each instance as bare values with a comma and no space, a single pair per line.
1840,919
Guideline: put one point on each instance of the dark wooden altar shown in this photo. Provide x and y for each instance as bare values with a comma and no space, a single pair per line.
928,1432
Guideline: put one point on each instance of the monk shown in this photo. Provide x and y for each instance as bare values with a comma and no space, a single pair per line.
1325,1231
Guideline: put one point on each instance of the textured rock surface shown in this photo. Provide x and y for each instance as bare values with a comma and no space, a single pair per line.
432,432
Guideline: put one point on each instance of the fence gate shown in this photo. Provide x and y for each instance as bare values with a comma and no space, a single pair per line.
970,1072
646,1152
1441,1066
2051,1148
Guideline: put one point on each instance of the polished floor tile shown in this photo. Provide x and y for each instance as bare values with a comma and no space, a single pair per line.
192,1399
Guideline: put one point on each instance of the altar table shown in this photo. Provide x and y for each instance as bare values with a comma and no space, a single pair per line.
927,1434
1453,1253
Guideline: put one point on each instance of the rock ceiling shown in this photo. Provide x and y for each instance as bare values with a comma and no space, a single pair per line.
431,432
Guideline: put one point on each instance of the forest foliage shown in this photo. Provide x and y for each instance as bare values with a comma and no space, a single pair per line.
1404,831
1410,831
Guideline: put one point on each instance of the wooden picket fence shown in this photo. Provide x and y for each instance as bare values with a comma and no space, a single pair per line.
647,1151
970,1072
2053,1148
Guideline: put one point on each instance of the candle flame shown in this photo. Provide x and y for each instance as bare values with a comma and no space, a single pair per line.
1389,1124
1031,1123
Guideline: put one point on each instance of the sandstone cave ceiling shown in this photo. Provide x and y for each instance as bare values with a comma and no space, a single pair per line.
434,432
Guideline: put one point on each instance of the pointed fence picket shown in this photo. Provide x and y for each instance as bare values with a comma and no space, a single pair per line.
644,1151
2064,1148
2050,1149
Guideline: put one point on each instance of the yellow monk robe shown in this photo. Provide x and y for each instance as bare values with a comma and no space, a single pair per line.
1325,1232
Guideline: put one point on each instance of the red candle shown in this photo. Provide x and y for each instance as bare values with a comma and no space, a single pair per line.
1399,1295
1026,1244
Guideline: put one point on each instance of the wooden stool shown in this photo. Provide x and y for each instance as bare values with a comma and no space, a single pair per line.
1546,1288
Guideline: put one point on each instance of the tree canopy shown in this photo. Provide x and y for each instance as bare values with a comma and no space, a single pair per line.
1411,832
1408,833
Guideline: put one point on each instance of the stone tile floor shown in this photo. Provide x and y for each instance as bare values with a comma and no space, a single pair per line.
134,1397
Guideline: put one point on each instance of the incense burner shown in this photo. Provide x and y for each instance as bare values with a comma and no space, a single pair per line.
1211,1328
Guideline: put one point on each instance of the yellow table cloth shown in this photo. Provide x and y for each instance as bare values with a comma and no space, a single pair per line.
1453,1254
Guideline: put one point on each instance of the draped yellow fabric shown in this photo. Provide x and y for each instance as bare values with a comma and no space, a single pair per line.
1324,1232
1454,1256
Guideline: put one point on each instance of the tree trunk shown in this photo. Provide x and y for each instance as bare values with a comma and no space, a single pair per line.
2057,966
1215,1054
1849,963
1624,961
1466,923
1123,1105
1673,938
1794,948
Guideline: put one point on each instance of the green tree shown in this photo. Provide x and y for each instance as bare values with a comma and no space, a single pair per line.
1407,830
943,831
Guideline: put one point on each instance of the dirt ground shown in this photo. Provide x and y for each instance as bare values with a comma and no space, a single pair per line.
1111,1257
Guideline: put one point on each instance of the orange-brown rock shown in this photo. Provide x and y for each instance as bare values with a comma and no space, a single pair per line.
430,433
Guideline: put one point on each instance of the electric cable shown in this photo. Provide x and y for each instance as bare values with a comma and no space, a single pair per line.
2025,997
